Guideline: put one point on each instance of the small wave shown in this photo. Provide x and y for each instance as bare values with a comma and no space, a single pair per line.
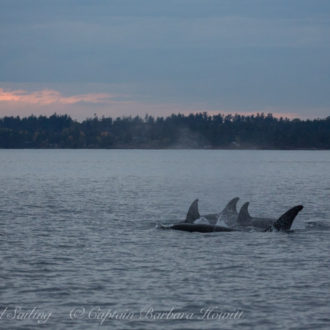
321,224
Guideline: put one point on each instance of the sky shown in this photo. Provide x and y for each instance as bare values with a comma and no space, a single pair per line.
136,57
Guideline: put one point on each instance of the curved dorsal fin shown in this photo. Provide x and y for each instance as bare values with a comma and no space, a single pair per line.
231,206
193,212
285,221
244,217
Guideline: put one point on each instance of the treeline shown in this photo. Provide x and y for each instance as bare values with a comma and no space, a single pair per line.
176,131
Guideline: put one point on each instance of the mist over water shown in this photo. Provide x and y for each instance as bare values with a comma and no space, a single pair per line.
78,240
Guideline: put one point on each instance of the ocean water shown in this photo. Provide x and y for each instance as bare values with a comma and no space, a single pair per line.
80,247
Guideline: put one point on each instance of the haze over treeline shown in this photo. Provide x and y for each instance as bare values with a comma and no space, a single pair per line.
176,131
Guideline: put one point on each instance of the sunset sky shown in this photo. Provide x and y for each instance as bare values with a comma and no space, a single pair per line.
127,57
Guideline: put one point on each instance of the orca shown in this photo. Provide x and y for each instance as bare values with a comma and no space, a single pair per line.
192,227
229,214
193,213
244,219
283,223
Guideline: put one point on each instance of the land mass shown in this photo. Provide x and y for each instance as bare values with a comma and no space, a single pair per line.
193,131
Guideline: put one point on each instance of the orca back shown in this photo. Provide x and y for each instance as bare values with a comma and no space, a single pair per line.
285,221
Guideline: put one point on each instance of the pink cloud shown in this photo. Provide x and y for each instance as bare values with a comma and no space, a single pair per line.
49,96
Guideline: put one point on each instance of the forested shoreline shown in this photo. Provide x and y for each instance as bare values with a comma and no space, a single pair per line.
193,131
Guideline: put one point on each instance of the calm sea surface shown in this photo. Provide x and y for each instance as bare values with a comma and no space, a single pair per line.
80,247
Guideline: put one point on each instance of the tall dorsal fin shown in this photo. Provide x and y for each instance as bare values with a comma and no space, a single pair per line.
244,218
231,206
193,212
285,221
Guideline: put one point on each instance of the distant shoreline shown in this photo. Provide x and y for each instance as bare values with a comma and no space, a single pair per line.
195,131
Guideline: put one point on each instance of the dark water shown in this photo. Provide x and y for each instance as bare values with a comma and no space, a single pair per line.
80,248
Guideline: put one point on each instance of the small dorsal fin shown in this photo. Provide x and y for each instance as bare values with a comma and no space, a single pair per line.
193,212
244,218
285,221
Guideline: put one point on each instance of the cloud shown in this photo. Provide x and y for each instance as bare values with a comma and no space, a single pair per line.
23,102
198,54
81,106
49,96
